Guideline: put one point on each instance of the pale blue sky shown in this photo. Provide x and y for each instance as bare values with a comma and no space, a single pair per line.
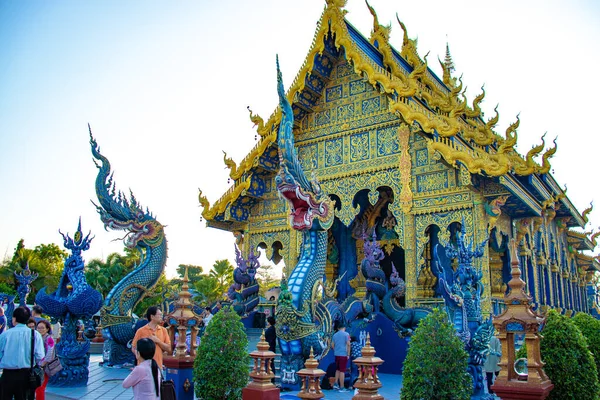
165,87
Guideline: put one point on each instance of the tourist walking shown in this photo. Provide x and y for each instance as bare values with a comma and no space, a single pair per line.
491,367
340,344
144,378
155,332
44,328
15,356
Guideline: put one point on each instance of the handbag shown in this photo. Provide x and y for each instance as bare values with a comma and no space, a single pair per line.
36,373
167,389
54,366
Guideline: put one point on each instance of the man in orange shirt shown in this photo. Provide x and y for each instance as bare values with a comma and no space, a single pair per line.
155,332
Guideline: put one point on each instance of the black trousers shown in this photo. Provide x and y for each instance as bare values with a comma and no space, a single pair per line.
490,376
14,384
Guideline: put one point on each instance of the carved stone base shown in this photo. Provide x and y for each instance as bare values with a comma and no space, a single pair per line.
250,393
522,390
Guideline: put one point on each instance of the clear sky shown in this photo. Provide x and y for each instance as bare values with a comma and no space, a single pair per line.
165,86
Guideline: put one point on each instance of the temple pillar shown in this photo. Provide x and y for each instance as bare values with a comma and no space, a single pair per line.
410,257
519,318
368,382
261,387
310,376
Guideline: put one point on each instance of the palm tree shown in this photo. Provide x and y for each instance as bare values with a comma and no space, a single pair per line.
104,275
207,290
222,271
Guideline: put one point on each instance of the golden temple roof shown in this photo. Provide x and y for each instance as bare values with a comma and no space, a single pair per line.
458,132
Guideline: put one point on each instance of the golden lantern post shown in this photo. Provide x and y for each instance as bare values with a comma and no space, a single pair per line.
518,317
311,377
368,382
261,387
180,366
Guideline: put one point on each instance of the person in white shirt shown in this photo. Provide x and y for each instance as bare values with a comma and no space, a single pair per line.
15,355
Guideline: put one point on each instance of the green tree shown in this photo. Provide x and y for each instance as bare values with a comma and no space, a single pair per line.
194,271
222,271
590,327
207,290
265,275
569,363
435,367
7,289
221,365
104,275
47,260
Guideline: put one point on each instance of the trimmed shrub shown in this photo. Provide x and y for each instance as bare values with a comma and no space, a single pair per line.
436,363
569,363
590,327
222,362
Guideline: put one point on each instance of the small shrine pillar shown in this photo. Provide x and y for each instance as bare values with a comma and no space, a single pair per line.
518,318
368,382
311,376
261,387
180,367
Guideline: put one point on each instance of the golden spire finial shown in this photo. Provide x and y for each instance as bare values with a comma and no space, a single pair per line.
516,284
449,64
262,345
311,363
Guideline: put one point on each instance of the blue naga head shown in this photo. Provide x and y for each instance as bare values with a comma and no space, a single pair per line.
119,213
310,208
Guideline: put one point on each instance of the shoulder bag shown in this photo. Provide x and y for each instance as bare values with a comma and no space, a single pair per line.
54,366
167,389
36,373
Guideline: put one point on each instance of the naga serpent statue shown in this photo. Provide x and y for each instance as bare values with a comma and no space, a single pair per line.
386,299
405,319
74,299
25,278
371,270
243,293
301,323
462,297
145,234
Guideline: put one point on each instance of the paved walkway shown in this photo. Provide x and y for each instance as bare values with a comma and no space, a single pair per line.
105,384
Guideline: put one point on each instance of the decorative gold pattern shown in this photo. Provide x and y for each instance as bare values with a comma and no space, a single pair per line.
405,166
370,126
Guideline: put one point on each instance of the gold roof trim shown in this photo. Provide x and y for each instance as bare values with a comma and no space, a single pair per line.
229,197
454,116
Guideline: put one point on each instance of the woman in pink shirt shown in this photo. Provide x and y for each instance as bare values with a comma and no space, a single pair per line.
144,378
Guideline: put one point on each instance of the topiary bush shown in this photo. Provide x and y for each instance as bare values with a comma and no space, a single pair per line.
590,327
222,362
569,363
436,363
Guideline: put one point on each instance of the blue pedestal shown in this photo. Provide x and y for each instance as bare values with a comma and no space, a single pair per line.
180,371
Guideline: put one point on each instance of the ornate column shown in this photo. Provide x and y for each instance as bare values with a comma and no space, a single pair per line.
518,318
180,366
261,386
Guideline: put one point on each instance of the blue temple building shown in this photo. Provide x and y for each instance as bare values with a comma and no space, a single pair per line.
407,161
